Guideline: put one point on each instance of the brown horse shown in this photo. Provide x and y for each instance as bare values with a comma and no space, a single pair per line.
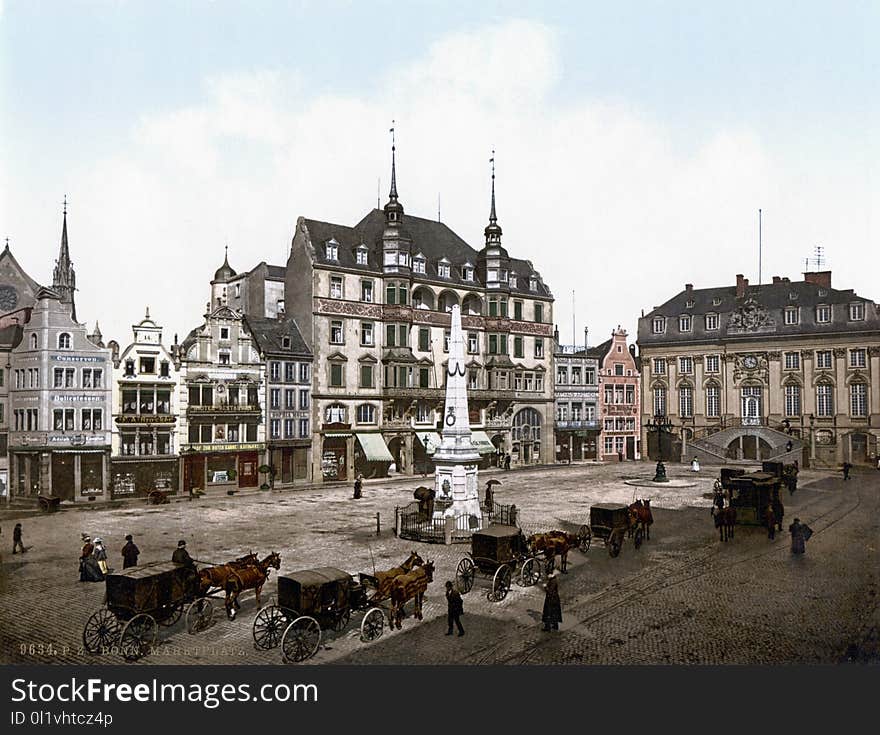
406,587
725,520
215,577
551,544
383,580
642,515
251,577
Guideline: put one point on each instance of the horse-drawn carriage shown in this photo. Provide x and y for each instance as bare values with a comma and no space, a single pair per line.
138,601
313,600
49,503
612,523
751,493
552,543
500,552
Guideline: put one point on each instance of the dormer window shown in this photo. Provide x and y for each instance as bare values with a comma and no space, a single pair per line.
533,284
792,295
823,292
790,314
361,255
711,322
443,269
690,304
285,343
403,258
64,341
684,323
468,273
823,314
419,264
856,312
512,281
716,301
332,250
658,325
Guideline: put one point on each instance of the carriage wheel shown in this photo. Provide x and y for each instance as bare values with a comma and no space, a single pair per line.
300,640
169,615
340,622
139,635
269,626
530,574
585,537
373,625
464,576
199,615
101,631
614,544
500,584
640,537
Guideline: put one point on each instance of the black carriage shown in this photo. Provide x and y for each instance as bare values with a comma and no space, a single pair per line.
752,492
138,601
310,601
611,523
499,552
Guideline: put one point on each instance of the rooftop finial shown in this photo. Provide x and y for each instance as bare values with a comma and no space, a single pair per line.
65,204
492,217
393,194
147,316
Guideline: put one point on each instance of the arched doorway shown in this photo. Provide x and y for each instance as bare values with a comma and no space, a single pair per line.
397,447
525,435
858,448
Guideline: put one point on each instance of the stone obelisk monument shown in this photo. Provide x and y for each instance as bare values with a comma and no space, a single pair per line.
456,459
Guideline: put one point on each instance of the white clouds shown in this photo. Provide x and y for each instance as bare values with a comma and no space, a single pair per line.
602,198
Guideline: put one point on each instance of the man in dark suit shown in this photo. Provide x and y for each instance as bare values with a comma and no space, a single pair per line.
455,609
181,555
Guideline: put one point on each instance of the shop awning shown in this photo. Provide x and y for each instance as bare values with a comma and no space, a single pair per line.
482,442
434,440
374,447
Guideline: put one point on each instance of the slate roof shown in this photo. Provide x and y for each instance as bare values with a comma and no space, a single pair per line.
269,335
431,238
773,298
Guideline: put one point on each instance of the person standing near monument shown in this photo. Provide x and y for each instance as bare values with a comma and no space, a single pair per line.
551,616
454,609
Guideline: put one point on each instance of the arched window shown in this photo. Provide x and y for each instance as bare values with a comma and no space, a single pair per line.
858,399
34,341
685,400
526,425
824,399
366,413
659,401
64,341
336,413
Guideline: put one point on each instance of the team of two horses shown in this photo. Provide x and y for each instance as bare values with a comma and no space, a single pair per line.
400,584
245,573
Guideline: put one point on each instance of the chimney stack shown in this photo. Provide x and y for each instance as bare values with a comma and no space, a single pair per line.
689,287
777,279
819,278
742,284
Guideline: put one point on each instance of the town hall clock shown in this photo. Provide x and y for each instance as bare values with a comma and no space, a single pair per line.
8,297
750,362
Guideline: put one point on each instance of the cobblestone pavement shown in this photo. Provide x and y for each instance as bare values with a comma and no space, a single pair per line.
684,597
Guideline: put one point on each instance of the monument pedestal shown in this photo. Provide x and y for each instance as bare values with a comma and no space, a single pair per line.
457,485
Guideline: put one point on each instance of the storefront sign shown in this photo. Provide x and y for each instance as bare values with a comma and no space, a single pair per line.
78,439
256,446
145,419
76,358
78,399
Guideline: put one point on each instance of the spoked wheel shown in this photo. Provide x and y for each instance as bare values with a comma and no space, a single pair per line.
373,625
464,576
300,640
341,621
530,574
639,537
101,631
500,584
139,635
199,615
269,626
169,615
614,544
585,537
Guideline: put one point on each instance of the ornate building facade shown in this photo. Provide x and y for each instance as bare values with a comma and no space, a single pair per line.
145,408
221,426
59,396
619,371
577,401
787,369
373,303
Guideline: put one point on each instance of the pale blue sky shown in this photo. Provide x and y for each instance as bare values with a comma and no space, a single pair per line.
794,83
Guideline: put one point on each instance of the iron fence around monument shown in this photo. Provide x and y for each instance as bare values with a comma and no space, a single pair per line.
416,522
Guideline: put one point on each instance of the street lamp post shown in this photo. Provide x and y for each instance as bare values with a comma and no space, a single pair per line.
660,424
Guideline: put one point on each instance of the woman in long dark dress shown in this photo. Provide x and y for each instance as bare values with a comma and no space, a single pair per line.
552,613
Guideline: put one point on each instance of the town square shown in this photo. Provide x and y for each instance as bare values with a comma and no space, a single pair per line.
493,353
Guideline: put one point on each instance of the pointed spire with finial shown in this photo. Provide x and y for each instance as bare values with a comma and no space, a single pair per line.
147,313
393,209
64,277
493,230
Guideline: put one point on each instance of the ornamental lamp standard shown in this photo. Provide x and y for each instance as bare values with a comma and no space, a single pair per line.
661,424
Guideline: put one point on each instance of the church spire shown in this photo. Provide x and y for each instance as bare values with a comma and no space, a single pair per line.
493,230
393,209
64,276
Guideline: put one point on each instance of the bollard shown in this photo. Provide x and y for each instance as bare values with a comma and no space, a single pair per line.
378,527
